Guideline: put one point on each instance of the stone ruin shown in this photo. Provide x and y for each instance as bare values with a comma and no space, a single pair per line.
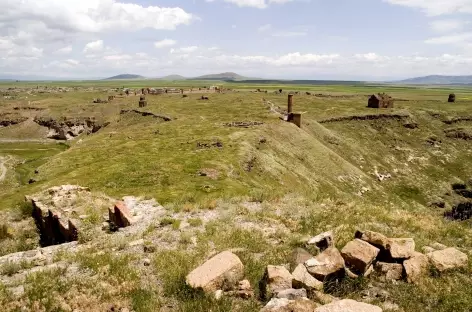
316,273
142,101
452,98
295,118
69,128
380,100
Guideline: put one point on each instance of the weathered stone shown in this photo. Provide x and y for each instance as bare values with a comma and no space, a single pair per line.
147,262
427,249
322,298
120,215
416,267
328,264
401,248
244,291
438,246
359,255
218,294
369,270
285,305
373,238
348,305
303,279
323,241
291,293
244,285
390,271
298,256
222,271
275,278
351,274
448,259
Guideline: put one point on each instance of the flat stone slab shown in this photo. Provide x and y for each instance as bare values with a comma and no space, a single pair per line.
448,259
401,248
222,270
348,305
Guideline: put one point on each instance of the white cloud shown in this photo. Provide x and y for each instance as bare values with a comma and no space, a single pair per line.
184,50
94,46
264,28
164,43
92,16
259,4
64,50
436,7
458,38
447,25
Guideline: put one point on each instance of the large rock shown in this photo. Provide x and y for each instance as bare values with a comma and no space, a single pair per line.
120,215
286,305
348,305
416,267
299,256
359,255
448,259
275,278
291,293
328,264
373,238
323,241
401,248
390,271
303,279
224,270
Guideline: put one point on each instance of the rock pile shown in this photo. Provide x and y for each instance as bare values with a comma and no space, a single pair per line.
391,259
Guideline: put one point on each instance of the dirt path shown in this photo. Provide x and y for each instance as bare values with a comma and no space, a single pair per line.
3,168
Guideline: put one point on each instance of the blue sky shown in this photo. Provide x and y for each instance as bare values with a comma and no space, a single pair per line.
299,39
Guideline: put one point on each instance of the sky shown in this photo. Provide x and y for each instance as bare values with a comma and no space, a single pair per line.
284,39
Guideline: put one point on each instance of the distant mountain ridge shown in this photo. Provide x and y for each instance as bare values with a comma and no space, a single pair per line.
221,76
125,77
173,77
437,79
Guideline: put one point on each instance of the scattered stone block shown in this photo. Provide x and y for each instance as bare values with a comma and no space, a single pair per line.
348,305
401,248
448,259
390,271
222,271
275,278
285,305
416,267
328,264
373,238
359,255
299,255
323,241
291,294
120,215
303,279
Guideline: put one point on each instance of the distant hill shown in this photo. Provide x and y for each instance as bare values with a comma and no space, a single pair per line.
222,76
125,77
437,79
173,77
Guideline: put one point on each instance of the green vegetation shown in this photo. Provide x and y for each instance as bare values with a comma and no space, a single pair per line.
256,190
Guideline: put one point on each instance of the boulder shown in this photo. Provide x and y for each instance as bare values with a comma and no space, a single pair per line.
448,259
390,271
275,278
373,238
285,305
323,241
328,264
222,271
359,255
303,279
120,215
416,267
401,248
291,294
299,255
348,305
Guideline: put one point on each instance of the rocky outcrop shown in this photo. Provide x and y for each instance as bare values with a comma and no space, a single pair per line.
223,271
8,120
69,128
145,114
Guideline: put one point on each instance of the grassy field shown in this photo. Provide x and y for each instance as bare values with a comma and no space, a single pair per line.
270,184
